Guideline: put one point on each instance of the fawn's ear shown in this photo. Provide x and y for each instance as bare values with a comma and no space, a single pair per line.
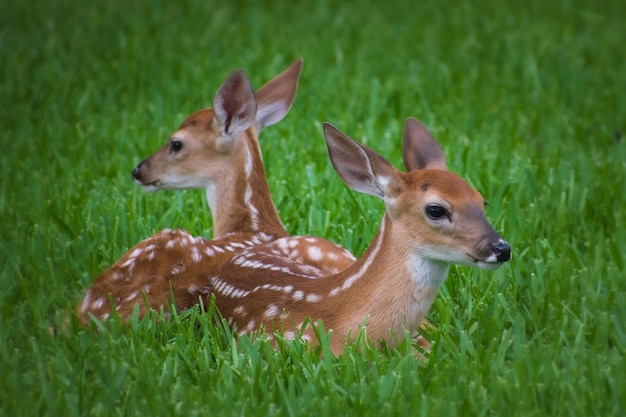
234,105
276,96
419,149
359,167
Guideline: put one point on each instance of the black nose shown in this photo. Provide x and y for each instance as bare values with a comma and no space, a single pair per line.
502,251
137,172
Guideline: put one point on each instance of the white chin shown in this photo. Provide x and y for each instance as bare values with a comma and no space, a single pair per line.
489,265
149,188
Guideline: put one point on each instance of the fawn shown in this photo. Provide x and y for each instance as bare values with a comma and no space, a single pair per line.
433,218
216,150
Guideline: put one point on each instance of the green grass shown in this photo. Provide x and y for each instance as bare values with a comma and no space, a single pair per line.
527,100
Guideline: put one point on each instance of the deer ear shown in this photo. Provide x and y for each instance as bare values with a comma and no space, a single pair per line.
276,96
234,105
359,167
419,149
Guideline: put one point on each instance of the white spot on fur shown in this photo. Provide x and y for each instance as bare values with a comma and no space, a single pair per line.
271,311
136,252
131,297
313,298
239,293
99,303
250,326
315,253
265,237
249,194
128,263
298,295
195,255
228,290
86,302
248,264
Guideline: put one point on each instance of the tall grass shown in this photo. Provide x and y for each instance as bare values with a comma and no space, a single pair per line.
527,100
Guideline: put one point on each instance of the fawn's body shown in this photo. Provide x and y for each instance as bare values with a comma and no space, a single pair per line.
216,150
433,219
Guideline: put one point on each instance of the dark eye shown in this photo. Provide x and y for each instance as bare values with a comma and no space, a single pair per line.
176,146
435,212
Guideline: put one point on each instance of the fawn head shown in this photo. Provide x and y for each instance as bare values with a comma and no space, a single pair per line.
208,146
439,215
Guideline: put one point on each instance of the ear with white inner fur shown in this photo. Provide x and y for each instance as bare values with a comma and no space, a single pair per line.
359,167
234,105
419,149
276,96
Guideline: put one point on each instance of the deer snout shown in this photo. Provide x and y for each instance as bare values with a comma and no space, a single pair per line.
502,250
137,173
141,175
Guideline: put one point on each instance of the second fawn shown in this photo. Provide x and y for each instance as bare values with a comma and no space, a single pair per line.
433,219
216,150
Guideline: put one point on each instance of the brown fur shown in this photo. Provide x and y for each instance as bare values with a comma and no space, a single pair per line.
218,151
391,288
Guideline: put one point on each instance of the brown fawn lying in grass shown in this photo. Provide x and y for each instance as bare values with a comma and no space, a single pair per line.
216,150
433,219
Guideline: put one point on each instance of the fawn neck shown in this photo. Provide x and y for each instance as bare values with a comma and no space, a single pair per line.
391,287
240,200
